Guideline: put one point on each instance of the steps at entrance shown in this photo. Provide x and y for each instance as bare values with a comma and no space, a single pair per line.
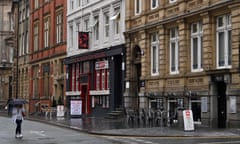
119,112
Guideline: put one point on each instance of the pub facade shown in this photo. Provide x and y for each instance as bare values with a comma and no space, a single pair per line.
95,56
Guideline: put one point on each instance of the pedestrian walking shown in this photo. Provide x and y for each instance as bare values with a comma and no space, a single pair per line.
18,113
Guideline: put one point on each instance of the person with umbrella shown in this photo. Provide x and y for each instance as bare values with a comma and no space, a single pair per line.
18,113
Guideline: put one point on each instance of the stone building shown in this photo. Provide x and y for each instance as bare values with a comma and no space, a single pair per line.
47,50
184,55
7,47
22,59
95,55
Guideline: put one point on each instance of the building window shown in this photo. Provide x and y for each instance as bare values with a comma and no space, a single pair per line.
196,46
71,4
154,4
174,58
106,25
116,20
46,70
224,41
172,1
71,36
96,28
59,27
46,32
36,4
98,80
108,80
35,81
36,36
154,54
79,3
103,79
138,5
86,25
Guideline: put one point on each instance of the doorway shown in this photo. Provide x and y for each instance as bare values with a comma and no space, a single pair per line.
221,101
85,100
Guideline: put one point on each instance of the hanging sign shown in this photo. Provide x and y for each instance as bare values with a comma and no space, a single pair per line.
83,38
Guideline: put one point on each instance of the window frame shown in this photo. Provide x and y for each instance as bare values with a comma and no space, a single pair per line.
59,27
154,54
46,28
174,40
225,29
156,4
138,7
36,36
106,25
199,36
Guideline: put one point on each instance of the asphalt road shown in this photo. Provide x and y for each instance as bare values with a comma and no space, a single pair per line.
40,133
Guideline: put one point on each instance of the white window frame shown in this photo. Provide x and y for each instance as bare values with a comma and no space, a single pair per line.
106,25
59,28
36,37
138,8
154,54
71,36
103,79
46,32
174,40
86,24
227,52
156,4
116,20
96,28
172,1
197,34
36,4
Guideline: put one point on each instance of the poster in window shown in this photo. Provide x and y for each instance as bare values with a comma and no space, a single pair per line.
83,38
204,105
76,107
233,104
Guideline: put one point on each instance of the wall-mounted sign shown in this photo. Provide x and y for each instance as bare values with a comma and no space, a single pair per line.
83,38
101,65
233,104
204,104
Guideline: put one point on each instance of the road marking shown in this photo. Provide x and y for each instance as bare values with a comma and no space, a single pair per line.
229,142
40,133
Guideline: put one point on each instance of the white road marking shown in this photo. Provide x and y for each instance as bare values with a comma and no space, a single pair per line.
40,133
228,142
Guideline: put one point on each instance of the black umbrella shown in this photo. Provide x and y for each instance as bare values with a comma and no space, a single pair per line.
18,101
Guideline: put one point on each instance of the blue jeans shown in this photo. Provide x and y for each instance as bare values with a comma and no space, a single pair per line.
19,125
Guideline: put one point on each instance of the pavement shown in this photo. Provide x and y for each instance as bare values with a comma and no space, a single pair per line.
120,127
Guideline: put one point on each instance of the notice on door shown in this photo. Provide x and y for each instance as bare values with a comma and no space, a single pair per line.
188,120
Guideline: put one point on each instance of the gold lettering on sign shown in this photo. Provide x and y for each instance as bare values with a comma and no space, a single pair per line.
153,83
173,82
195,81
153,16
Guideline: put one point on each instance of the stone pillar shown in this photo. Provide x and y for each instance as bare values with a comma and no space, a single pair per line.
183,47
208,43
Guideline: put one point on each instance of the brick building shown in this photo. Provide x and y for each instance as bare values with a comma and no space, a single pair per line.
47,50
184,55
